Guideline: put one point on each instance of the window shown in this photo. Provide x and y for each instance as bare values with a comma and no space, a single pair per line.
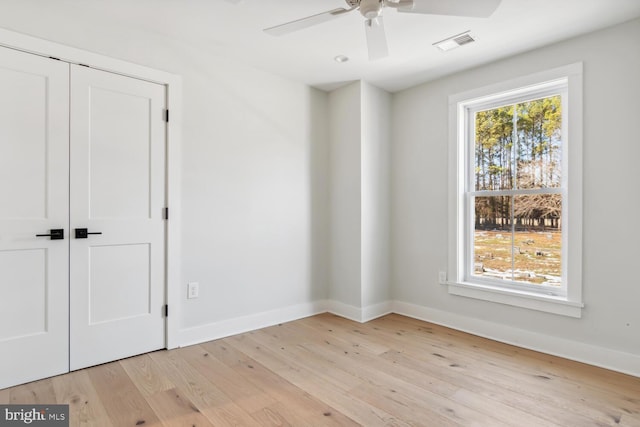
516,193
514,190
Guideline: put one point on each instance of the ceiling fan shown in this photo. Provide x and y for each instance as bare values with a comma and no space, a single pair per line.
371,10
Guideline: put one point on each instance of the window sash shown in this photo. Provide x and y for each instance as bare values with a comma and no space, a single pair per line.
470,108
469,261
519,192
511,97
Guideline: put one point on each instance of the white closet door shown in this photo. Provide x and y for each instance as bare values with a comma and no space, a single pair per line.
118,190
34,156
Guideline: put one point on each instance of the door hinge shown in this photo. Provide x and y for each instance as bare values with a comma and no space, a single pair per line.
165,213
166,116
166,310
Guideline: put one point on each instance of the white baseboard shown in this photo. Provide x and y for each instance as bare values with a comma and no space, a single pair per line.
239,325
378,310
626,363
360,315
344,310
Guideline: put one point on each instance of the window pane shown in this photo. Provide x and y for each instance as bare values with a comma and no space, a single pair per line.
492,237
539,125
493,149
538,239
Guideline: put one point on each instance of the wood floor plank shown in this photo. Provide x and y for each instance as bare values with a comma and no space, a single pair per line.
318,383
372,364
354,337
329,371
522,357
146,375
85,408
201,389
450,346
37,392
193,383
515,379
566,392
123,403
386,382
489,370
174,409
4,396
230,415
409,409
271,416
300,354
299,404
510,395
246,395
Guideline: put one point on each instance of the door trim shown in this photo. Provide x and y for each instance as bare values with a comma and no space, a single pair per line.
173,88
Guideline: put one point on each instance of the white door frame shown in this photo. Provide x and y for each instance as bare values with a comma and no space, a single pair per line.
173,84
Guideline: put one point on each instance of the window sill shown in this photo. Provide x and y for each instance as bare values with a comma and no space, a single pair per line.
547,303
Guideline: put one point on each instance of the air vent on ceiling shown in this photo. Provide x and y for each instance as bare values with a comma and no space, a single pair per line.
454,41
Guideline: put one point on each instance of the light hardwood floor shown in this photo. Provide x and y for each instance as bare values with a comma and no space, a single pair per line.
325,371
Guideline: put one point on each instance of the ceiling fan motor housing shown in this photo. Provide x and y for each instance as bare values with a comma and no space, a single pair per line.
370,8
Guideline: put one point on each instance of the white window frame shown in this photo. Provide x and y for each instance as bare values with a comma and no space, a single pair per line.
567,301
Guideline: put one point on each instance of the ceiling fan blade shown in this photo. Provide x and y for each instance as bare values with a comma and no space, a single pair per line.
474,8
376,38
300,24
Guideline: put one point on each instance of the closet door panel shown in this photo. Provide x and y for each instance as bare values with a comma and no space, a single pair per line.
34,167
117,190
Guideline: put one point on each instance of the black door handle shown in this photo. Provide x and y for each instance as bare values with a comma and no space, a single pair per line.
83,233
55,234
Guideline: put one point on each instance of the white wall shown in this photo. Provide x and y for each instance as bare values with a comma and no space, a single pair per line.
345,193
611,318
376,223
254,161
359,174
252,205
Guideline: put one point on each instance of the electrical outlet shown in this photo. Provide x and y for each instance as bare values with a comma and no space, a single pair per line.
442,277
193,290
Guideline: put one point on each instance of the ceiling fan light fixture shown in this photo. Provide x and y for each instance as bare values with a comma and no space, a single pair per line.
370,8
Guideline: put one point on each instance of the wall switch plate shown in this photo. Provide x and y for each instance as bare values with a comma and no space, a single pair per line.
442,277
193,290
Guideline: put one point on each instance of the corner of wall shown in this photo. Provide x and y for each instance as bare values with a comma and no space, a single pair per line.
357,314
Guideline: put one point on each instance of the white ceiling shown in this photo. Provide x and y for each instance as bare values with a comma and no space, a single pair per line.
233,28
